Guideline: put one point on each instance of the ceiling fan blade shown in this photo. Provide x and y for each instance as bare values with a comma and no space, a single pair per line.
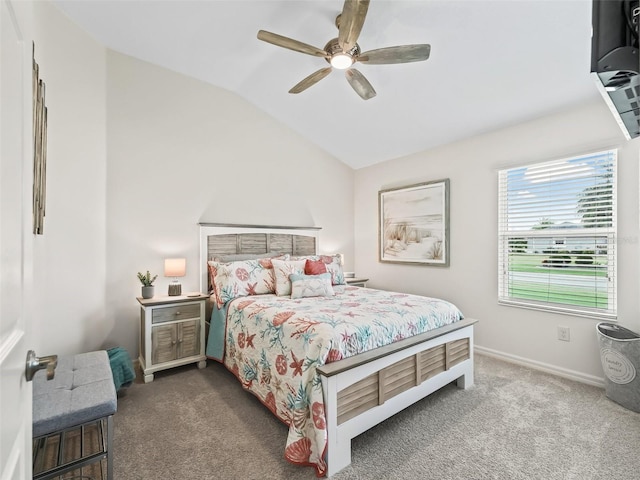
351,21
312,79
360,84
399,54
290,43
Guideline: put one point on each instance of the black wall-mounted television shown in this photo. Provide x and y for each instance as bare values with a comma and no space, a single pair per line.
615,60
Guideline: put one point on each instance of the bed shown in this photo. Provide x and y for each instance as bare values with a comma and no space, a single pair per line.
328,359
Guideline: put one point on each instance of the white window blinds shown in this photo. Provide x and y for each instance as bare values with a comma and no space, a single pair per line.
557,235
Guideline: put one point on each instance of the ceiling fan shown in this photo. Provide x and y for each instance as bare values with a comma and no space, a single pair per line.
343,52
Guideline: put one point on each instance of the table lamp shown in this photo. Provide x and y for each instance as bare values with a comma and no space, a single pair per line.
175,267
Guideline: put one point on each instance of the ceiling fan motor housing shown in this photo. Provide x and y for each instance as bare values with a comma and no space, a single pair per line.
333,48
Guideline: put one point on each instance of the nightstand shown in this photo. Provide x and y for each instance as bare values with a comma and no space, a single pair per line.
171,333
357,282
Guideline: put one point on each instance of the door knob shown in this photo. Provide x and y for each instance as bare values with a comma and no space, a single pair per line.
38,363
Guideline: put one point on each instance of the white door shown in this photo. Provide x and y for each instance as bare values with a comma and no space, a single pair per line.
15,246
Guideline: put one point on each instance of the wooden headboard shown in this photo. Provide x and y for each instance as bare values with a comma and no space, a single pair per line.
224,239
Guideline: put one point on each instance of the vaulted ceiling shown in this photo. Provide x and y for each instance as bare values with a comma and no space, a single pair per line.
493,63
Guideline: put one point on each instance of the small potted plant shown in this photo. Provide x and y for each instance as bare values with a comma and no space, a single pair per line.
147,284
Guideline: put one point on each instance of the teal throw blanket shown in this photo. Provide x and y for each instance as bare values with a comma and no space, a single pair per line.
121,367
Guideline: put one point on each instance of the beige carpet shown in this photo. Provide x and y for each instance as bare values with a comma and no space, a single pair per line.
515,423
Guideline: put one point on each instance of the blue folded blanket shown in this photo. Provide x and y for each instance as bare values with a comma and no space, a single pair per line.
121,367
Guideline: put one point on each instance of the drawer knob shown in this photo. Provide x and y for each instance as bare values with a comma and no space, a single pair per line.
178,313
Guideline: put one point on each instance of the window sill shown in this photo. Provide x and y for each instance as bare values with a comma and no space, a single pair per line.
560,310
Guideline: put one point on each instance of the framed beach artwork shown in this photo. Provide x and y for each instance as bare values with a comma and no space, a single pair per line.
414,224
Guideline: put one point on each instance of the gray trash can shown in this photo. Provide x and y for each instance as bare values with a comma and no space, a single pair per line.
620,356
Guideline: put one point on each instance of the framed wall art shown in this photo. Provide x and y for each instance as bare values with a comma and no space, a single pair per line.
414,224
39,148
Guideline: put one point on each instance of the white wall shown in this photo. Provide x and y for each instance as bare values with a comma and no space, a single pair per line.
69,260
181,152
471,280
137,156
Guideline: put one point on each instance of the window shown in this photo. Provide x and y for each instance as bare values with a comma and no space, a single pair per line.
557,235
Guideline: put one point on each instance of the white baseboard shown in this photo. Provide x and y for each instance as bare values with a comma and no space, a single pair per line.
543,367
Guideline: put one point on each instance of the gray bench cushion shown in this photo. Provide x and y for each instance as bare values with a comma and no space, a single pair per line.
81,391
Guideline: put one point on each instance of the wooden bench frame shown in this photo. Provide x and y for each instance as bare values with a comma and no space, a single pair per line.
105,437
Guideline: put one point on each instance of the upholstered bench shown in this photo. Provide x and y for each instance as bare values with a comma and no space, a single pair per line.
78,403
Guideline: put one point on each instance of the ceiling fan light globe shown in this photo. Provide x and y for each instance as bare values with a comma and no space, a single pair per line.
341,61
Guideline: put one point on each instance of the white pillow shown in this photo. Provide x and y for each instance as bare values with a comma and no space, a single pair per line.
282,269
303,286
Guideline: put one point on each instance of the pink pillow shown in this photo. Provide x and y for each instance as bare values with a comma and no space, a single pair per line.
314,267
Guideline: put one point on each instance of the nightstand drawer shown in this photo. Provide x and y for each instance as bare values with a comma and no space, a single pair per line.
179,312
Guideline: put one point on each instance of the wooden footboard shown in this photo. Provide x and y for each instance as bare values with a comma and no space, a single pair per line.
362,391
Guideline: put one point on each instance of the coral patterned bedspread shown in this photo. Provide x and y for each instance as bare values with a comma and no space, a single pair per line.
274,345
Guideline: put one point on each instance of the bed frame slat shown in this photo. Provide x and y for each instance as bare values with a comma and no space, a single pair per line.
432,362
399,385
256,243
432,355
304,245
361,404
457,352
399,377
252,243
364,385
221,245
281,243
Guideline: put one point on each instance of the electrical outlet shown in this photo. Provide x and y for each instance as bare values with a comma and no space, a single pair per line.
563,333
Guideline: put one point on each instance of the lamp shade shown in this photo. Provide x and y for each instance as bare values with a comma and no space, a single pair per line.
175,267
